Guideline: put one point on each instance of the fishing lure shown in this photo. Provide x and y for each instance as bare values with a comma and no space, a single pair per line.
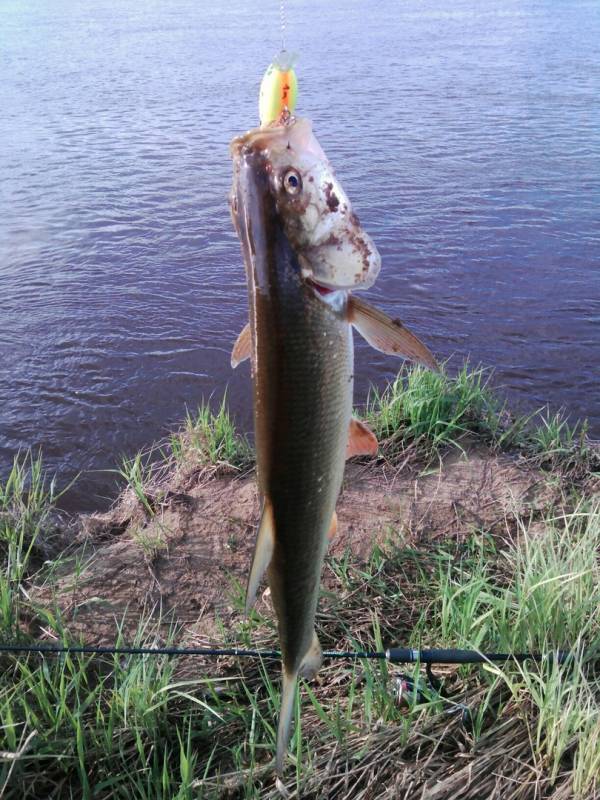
278,89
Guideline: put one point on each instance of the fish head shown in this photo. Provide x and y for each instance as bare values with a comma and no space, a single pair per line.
333,250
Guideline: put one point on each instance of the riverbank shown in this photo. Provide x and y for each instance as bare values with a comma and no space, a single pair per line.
471,528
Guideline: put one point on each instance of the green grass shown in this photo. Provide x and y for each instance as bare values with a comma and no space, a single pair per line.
436,410
148,727
118,725
561,444
74,726
539,594
207,444
139,473
26,505
135,727
212,439
553,597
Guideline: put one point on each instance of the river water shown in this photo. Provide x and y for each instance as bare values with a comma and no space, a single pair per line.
467,135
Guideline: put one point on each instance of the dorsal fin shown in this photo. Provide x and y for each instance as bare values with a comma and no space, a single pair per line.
242,347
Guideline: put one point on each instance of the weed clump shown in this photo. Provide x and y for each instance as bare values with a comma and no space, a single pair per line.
211,439
434,410
26,528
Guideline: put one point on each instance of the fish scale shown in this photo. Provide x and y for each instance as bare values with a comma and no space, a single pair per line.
302,367
307,381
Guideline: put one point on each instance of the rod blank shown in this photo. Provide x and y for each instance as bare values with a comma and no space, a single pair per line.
396,655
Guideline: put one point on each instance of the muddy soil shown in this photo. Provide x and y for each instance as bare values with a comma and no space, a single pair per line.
182,562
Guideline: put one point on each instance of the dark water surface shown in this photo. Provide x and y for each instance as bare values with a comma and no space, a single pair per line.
466,133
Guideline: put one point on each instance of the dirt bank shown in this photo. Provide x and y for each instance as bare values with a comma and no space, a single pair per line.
181,560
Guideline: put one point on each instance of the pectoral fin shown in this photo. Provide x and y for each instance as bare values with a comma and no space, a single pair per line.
361,440
387,335
263,552
242,347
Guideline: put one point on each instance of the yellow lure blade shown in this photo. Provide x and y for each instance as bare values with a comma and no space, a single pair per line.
278,89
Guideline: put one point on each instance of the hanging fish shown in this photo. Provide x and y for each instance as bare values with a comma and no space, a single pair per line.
304,252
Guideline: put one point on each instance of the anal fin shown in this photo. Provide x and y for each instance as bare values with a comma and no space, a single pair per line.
387,335
242,347
333,527
263,552
361,440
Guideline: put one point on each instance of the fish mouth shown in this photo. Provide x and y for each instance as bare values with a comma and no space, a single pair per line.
319,288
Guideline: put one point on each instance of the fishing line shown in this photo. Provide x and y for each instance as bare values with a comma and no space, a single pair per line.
395,655
282,22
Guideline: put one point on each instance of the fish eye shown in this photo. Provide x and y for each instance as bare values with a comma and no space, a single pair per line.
292,182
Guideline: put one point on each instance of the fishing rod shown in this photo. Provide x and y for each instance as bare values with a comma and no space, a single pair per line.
406,687
394,655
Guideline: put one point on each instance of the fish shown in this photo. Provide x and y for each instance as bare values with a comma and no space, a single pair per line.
304,252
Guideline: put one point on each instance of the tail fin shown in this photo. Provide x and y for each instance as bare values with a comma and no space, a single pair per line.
307,669
286,712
